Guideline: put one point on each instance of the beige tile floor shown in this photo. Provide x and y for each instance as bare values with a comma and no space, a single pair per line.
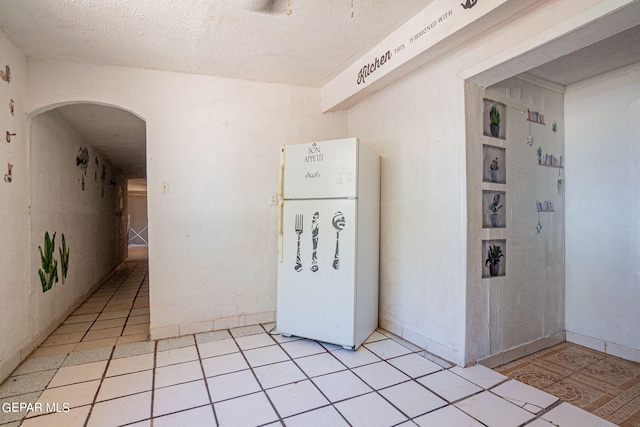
100,369
596,382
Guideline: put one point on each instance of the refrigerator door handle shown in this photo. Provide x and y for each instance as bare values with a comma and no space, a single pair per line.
281,207
280,231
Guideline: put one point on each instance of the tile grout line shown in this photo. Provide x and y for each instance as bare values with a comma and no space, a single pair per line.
113,349
264,391
132,305
326,350
153,381
95,396
206,383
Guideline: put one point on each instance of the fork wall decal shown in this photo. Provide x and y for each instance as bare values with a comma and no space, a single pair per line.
299,226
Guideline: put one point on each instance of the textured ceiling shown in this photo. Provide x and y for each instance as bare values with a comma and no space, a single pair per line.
242,39
245,39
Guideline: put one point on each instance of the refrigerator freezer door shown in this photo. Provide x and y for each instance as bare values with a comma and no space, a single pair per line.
316,280
319,170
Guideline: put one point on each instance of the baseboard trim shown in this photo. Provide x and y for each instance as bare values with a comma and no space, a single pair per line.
171,331
607,347
523,350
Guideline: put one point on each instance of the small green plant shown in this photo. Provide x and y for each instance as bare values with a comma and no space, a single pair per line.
49,271
64,258
494,115
494,255
494,206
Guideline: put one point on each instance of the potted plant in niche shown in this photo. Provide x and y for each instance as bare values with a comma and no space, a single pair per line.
494,208
494,170
494,119
493,259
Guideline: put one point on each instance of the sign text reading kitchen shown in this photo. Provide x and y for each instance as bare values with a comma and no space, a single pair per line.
370,68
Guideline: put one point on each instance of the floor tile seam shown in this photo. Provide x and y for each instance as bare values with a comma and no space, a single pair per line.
524,402
387,363
628,404
602,389
28,373
479,421
128,373
377,391
409,375
327,405
217,402
544,363
95,396
180,363
308,378
630,363
625,404
600,378
129,311
121,396
99,314
435,359
171,413
206,383
430,411
153,379
478,385
545,411
273,406
560,375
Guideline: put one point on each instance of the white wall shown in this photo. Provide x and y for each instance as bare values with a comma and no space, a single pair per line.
523,311
14,329
422,248
213,237
603,212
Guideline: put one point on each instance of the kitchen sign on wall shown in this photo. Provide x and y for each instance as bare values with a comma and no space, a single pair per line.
435,23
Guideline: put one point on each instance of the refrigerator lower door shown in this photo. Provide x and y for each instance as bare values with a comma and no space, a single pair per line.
316,278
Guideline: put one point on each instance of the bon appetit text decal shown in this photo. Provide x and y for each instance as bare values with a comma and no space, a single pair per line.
381,60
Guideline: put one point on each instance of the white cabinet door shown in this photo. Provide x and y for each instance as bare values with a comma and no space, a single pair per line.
318,170
316,279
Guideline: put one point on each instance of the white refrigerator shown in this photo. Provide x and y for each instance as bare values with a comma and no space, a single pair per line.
329,241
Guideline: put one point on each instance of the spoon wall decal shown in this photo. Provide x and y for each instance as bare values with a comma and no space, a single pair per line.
338,223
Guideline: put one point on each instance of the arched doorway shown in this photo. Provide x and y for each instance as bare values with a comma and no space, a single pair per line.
81,157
